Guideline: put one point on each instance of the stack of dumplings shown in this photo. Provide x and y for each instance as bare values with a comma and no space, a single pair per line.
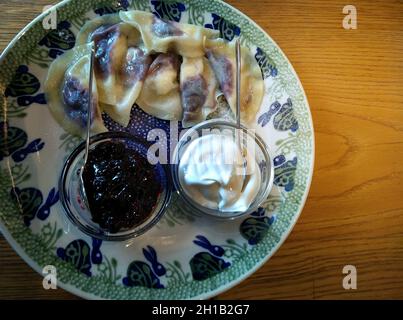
171,70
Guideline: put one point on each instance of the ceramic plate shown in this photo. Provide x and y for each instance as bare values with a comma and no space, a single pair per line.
184,256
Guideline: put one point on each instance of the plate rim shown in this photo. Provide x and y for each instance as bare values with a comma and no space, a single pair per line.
224,287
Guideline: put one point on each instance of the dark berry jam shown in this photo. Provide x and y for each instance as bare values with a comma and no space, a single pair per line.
122,187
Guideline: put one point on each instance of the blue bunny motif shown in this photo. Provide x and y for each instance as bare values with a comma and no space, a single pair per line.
23,86
59,40
141,274
204,243
284,118
13,141
34,146
265,117
284,172
44,211
151,256
267,66
96,255
227,29
256,226
79,253
30,203
26,101
204,265
168,10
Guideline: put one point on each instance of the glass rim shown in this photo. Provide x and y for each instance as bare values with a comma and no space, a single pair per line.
213,212
99,233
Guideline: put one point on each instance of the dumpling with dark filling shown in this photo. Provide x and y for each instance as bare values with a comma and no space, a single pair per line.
67,91
169,36
221,55
198,88
85,34
121,64
160,95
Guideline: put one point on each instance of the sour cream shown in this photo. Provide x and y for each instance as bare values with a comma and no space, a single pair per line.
212,172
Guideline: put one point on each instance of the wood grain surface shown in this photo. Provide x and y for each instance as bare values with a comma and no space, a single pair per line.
354,213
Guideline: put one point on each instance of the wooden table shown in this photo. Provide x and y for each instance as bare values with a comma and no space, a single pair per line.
354,213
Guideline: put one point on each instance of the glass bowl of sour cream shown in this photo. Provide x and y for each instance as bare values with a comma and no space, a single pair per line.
222,171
